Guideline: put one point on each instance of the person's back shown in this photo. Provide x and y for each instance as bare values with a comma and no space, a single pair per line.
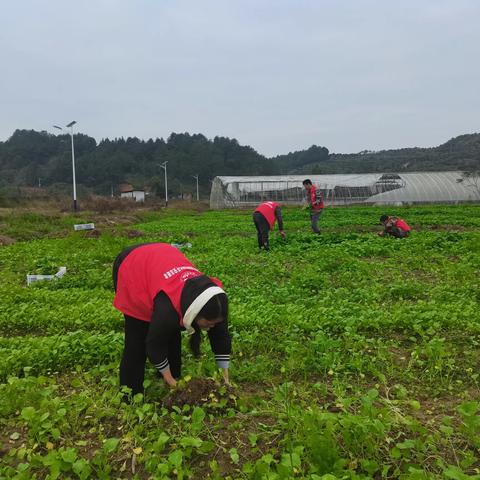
267,209
394,226
400,223
264,218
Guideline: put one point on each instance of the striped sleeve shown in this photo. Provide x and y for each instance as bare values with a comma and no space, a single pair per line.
223,361
162,366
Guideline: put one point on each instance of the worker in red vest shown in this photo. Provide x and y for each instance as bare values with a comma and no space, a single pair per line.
394,226
264,218
315,200
160,294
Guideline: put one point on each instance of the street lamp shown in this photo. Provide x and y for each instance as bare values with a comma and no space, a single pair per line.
196,178
70,125
164,166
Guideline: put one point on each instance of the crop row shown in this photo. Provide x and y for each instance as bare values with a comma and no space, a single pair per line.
35,355
355,356
348,435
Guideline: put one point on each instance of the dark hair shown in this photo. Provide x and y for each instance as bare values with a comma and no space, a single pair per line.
307,181
383,218
215,308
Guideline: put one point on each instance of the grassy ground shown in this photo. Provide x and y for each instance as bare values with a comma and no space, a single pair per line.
355,356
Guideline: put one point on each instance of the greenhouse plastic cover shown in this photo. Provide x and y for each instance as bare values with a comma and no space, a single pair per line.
415,187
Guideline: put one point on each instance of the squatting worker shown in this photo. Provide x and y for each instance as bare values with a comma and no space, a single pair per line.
394,226
264,217
315,200
160,294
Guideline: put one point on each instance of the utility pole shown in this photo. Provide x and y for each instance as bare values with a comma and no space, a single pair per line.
196,178
164,166
70,125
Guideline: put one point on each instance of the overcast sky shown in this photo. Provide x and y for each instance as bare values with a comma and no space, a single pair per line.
277,75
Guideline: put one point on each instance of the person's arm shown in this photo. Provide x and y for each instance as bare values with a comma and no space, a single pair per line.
278,215
221,344
391,222
163,327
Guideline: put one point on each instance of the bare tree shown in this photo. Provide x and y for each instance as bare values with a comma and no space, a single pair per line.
472,179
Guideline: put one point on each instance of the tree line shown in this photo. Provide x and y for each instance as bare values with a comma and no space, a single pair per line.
32,158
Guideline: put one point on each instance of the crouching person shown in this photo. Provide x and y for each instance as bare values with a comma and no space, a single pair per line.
160,294
394,226
264,218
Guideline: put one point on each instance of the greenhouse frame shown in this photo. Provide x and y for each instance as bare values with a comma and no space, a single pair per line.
347,189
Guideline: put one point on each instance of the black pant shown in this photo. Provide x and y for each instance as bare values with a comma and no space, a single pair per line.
132,366
397,232
263,229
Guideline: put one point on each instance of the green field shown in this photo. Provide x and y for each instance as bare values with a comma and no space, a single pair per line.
354,356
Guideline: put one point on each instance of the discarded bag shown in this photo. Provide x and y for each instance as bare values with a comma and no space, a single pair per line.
36,278
84,226
181,245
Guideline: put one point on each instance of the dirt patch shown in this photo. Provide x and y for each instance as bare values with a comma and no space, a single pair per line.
352,228
134,234
437,407
251,436
375,259
421,275
4,240
400,356
198,207
12,437
114,220
204,392
92,233
443,228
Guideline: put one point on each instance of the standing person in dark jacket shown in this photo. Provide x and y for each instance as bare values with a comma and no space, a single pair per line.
315,200
160,294
394,226
264,217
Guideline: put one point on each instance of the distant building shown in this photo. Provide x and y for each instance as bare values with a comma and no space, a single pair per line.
127,191
125,187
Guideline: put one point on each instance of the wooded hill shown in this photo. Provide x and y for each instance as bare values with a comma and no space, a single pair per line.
30,158
459,153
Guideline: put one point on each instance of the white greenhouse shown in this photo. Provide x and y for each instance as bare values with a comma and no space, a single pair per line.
341,189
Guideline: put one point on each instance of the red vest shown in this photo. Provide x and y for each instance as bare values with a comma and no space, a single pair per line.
145,272
267,209
402,224
313,199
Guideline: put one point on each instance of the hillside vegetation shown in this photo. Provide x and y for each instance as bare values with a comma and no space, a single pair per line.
30,158
459,153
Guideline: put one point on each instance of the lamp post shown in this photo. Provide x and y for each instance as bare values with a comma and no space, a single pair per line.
196,178
164,166
70,125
